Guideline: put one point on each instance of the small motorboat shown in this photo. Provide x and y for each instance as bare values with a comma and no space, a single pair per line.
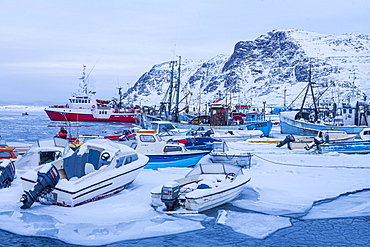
196,142
165,153
365,134
7,172
7,152
236,135
355,147
324,136
167,129
42,152
222,154
206,186
99,168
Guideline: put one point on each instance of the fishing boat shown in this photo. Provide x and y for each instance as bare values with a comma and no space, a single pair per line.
355,147
291,123
165,153
242,119
99,168
204,187
222,154
350,116
251,118
84,107
42,152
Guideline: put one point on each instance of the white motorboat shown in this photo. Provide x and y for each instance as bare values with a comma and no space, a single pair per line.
166,153
222,154
99,168
166,129
204,187
7,172
42,152
365,134
323,136
235,135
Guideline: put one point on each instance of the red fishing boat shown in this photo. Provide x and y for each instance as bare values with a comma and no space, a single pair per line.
84,107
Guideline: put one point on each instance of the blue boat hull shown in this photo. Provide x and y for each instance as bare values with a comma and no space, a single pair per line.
288,125
357,147
183,160
264,126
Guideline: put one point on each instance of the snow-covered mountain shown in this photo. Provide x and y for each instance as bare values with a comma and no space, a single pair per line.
262,69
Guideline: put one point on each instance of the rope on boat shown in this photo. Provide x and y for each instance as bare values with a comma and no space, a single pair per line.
310,166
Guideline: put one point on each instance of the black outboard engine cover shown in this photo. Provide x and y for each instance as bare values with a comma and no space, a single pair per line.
170,195
288,138
316,142
7,173
46,182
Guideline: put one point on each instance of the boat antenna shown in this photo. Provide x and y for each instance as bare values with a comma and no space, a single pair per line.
93,67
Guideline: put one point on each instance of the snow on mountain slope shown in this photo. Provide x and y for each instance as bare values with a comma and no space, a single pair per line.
260,70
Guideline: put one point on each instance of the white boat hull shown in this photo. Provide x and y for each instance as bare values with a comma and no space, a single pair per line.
217,197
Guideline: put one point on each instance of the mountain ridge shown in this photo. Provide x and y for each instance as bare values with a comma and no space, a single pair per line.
262,70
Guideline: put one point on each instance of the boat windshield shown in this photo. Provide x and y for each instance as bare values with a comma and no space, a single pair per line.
162,127
217,168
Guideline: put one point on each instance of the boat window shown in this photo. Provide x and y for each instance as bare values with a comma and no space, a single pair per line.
167,127
172,149
344,111
120,162
147,138
350,111
131,158
47,157
5,155
154,126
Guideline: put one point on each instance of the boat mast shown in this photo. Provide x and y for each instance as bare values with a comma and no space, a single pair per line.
178,92
120,97
172,64
310,88
83,85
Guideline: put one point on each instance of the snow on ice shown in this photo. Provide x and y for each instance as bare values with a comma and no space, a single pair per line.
285,184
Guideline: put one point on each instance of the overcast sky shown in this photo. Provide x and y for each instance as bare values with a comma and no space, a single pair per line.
44,43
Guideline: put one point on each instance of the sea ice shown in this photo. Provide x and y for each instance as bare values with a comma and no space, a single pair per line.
252,224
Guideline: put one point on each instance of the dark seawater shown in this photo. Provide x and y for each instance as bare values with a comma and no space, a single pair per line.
16,128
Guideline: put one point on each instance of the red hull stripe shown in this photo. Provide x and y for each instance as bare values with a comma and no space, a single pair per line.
74,117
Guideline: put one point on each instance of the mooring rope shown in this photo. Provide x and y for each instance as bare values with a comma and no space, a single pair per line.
311,166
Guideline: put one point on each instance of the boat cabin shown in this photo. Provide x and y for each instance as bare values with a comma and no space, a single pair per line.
253,117
219,115
82,102
149,142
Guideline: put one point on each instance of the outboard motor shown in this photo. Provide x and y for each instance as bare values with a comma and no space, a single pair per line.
316,142
45,183
208,133
7,173
288,138
170,195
